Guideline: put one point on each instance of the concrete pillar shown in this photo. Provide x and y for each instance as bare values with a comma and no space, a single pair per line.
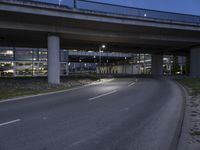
157,65
195,62
53,59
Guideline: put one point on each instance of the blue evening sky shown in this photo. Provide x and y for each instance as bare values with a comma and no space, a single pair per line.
179,6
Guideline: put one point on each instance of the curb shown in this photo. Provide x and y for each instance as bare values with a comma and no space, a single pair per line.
179,139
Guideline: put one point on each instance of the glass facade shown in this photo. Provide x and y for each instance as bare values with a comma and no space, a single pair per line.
33,62
23,62
144,60
26,55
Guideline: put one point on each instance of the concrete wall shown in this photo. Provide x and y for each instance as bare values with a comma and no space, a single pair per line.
120,69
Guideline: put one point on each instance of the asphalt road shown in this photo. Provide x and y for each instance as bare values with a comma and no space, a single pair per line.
123,114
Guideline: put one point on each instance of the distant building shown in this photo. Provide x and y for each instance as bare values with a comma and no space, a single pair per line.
16,62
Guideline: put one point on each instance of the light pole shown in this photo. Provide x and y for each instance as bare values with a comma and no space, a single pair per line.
94,62
103,46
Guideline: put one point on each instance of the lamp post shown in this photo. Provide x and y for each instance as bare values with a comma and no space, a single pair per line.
100,51
94,62
125,58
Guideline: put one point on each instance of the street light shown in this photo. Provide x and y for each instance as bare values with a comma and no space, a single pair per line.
103,46
125,58
95,62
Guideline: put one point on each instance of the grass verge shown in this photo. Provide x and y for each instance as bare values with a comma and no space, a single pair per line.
191,83
16,87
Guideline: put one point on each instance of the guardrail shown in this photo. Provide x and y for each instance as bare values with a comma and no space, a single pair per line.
123,10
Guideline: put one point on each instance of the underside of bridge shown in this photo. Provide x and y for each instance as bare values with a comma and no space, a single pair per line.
18,38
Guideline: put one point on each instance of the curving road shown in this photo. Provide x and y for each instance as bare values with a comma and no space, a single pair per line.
123,114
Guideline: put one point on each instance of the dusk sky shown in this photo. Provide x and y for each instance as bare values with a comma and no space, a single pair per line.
179,6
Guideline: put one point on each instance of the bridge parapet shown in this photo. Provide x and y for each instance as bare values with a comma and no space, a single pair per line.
122,10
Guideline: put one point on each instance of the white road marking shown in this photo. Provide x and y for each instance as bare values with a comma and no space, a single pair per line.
9,122
99,96
131,84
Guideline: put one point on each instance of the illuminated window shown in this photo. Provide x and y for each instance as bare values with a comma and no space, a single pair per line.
23,54
6,55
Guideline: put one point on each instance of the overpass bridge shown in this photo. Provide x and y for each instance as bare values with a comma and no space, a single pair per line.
83,24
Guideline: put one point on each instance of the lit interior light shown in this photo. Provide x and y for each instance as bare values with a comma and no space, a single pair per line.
9,71
9,52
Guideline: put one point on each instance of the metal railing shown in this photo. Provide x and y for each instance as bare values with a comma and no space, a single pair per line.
123,10
68,3
104,54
